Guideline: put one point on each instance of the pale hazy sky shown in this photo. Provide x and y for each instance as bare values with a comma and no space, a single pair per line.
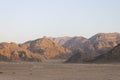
22,20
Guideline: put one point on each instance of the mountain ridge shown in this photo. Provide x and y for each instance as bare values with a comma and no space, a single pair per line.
47,48
35,50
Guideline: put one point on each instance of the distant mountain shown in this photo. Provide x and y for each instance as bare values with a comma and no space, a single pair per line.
109,57
35,50
103,42
60,40
97,45
105,37
75,43
47,48
12,52
112,56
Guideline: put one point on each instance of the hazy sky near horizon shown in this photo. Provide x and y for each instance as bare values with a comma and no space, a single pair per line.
22,20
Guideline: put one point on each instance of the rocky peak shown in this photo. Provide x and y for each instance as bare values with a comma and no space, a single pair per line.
45,47
105,36
60,40
103,42
75,43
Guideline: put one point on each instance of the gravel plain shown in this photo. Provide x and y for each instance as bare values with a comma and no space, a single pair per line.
58,71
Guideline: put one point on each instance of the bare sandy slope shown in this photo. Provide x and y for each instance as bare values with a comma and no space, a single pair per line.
59,71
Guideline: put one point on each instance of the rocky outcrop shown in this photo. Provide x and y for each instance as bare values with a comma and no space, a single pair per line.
60,40
97,45
103,42
109,57
46,48
35,50
12,52
75,43
80,57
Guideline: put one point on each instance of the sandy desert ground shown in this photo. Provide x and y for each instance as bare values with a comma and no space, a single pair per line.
58,71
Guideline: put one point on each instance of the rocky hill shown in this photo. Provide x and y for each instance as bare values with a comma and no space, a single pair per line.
12,52
109,57
95,46
47,48
103,42
98,43
81,57
112,56
60,40
75,43
35,50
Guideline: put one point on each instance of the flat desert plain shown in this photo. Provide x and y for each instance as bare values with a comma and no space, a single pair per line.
58,71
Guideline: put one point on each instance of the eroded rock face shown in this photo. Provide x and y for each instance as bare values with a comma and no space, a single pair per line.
97,45
103,42
32,51
12,52
80,57
46,48
111,56
60,40
75,43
